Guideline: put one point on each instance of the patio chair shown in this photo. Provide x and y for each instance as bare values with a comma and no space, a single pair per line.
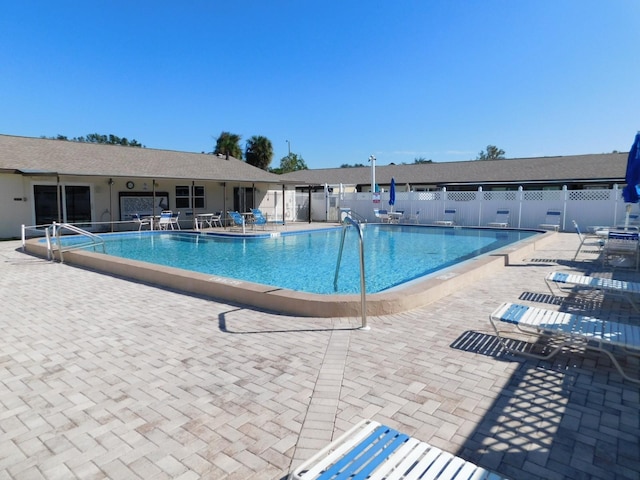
587,240
258,218
621,246
575,284
141,221
164,223
175,222
372,450
552,220
449,217
414,217
502,219
237,220
633,222
383,215
567,330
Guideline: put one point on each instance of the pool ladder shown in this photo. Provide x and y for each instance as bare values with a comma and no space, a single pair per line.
54,231
346,221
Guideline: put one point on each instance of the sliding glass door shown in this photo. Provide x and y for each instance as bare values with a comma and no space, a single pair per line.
75,204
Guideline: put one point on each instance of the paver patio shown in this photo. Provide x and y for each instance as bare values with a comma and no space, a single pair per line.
101,377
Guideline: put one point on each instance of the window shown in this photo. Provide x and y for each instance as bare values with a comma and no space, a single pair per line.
184,196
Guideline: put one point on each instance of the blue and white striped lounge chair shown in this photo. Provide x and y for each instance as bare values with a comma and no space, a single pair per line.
374,451
568,330
502,219
552,220
258,218
581,284
237,220
449,217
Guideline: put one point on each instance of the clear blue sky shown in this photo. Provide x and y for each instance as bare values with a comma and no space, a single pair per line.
341,80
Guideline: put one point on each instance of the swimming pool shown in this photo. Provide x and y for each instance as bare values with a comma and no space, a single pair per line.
306,261
387,251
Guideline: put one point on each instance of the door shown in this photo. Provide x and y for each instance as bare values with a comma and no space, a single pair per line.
242,199
75,200
45,200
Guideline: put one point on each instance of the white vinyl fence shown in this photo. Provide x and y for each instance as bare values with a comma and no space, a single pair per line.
528,209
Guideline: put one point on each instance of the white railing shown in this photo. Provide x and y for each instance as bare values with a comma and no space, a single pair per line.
527,208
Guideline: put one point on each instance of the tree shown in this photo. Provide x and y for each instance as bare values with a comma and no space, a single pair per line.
493,153
102,139
346,165
259,152
421,160
290,163
228,144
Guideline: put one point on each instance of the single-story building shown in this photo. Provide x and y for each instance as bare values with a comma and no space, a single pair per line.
44,180
576,172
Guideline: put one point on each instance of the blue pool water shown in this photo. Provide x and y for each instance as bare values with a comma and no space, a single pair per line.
307,261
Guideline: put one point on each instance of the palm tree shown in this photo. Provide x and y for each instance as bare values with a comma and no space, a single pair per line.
228,144
259,152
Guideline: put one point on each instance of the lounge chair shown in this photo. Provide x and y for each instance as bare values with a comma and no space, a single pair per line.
449,217
258,218
164,223
371,450
552,220
587,240
502,219
237,220
582,284
568,330
141,221
621,245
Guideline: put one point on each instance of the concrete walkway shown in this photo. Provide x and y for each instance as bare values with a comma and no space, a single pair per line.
105,378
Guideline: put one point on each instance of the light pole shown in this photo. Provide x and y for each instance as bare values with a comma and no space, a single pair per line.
289,145
372,159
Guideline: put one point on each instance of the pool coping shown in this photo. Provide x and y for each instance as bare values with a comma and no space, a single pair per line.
415,294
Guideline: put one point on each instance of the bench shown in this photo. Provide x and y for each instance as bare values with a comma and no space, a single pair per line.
372,451
568,330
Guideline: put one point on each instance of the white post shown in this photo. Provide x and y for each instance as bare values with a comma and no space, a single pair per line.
372,159
521,197
480,206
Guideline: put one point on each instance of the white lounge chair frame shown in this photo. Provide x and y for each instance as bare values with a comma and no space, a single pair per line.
569,330
622,244
552,220
587,240
582,284
502,219
449,217
375,451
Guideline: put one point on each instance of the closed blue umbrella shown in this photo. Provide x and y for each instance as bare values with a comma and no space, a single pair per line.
630,192
392,193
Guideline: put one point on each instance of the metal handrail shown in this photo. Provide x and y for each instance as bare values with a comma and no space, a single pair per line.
56,229
363,300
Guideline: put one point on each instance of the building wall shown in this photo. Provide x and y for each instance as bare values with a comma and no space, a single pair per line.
17,206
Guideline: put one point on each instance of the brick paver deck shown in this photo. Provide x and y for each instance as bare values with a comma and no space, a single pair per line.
105,378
